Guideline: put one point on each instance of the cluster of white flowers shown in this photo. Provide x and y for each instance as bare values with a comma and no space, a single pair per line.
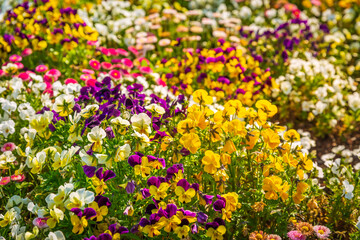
338,162
326,87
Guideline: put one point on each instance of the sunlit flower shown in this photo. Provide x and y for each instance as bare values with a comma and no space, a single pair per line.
141,123
211,162
305,228
79,198
191,142
64,105
96,136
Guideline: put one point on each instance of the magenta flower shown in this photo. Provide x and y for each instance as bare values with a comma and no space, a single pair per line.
94,64
70,80
41,68
4,180
17,178
115,74
15,58
8,147
26,52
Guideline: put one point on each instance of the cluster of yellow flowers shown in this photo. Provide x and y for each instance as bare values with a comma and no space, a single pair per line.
225,72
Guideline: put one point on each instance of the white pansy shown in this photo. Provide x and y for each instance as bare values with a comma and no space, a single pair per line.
58,235
89,110
319,108
79,198
354,101
96,136
86,159
122,153
36,163
64,104
6,158
245,12
7,128
26,111
286,87
348,190
141,123
155,108
9,106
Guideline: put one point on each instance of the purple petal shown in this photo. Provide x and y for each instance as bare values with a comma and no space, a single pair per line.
184,184
89,213
77,212
99,173
108,174
130,187
89,171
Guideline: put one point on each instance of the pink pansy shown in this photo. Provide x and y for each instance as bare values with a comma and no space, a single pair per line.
145,69
127,62
19,65
50,78
24,76
296,235
48,85
316,2
296,13
290,7
92,43
49,91
2,73
322,232
54,72
41,68
122,52
88,71
118,65
85,77
40,222
135,75
115,74
160,82
113,51
90,82
4,180
106,65
105,51
133,50
94,64
52,75
70,80
8,147
15,58
26,52
18,178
